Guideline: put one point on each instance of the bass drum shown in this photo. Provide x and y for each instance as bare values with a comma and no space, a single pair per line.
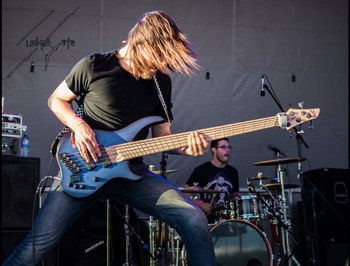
237,242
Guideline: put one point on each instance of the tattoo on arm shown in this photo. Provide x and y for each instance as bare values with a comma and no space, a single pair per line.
61,117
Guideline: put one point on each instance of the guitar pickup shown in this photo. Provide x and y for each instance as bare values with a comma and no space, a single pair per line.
106,162
91,165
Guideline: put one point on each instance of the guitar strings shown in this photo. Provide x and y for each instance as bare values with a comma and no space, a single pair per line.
130,150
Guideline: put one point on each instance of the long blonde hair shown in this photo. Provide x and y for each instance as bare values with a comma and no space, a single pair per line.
157,34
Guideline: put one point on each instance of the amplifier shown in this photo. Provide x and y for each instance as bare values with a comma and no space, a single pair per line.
11,134
11,146
11,125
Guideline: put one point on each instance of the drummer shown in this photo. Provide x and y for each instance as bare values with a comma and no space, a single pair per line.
215,175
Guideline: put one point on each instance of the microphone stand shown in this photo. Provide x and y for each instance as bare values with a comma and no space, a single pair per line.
300,141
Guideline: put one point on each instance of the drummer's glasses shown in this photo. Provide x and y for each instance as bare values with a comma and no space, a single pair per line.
225,147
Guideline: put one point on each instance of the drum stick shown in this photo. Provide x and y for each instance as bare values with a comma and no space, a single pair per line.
216,186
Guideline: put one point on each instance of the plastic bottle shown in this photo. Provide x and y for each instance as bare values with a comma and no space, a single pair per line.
25,146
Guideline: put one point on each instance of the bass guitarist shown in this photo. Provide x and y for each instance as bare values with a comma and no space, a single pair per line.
120,88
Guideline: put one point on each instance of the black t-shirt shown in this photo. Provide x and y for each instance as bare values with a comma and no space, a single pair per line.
113,97
207,175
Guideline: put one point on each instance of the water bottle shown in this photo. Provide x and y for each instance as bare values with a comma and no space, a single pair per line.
25,146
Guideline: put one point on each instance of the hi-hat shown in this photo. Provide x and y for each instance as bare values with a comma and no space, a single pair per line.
199,190
167,171
277,186
280,161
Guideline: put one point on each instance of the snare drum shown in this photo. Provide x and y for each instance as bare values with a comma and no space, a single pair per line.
248,207
239,242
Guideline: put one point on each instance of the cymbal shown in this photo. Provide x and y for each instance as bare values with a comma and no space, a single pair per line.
167,171
199,190
260,177
280,161
277,186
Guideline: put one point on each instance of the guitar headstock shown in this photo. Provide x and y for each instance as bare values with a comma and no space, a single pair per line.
299,116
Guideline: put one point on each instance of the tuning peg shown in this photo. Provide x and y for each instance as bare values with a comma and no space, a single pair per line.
311,126
300,131
301,105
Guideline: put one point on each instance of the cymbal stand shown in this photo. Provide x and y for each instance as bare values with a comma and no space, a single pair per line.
129,231
163,165
127,238
151,225
283,224
172,246
108,232
284,234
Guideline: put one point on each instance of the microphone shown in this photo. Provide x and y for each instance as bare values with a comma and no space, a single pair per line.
273,148
262,93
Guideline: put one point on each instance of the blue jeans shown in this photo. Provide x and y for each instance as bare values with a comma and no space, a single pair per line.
152,195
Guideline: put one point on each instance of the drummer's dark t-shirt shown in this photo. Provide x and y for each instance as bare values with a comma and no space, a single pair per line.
207,176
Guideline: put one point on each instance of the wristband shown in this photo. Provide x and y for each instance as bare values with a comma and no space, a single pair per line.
72,121
77,122
199,203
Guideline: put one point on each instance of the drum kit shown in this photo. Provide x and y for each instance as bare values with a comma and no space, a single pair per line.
236,235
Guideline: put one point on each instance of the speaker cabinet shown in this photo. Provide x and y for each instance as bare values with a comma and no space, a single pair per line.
84,243
332,186
20,177
9,240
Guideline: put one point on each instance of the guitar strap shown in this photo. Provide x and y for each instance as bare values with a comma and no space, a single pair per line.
80,112
160,95
66,129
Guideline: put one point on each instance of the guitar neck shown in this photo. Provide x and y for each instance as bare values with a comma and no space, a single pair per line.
127,151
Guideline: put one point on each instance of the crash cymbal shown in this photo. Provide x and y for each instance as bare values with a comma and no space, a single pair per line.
167,171
280,161
260,177
277,186
199,190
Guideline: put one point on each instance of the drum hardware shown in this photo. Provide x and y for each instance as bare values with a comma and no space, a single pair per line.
129,231
280,161
167,171
280,220
168,246
199,190
286,222
278,186
151,168
260,177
